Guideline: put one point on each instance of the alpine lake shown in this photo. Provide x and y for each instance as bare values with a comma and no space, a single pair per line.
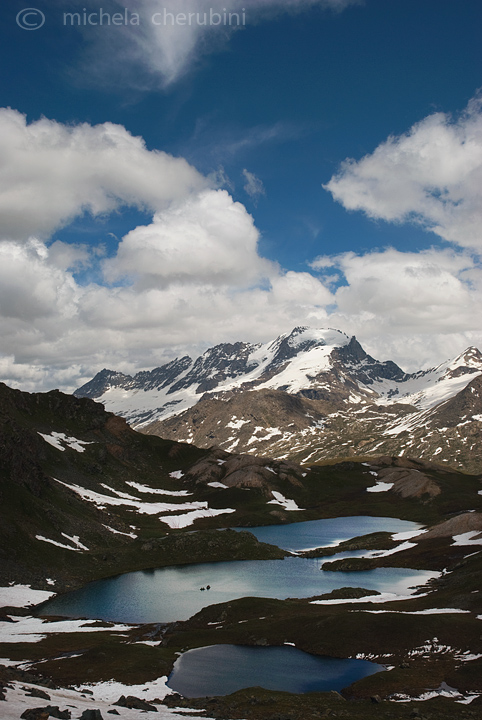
176,593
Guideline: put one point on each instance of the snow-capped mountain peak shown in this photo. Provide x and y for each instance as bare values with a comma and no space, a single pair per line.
428,388
310,384
468,362
289,362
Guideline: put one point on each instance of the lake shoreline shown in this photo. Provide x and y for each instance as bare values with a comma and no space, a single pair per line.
343,629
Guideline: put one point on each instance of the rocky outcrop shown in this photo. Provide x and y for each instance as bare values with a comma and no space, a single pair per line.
458,525
244,471
410,482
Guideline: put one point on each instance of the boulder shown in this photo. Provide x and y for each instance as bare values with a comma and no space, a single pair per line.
35,714
43,713
134,703
35,692
91,715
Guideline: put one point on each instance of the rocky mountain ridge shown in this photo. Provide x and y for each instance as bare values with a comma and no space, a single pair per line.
84,494
307,396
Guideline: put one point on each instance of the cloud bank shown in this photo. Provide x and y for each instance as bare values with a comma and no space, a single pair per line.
193,275
57,332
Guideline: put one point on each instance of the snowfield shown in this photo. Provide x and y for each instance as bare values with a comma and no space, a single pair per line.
102,698
22,596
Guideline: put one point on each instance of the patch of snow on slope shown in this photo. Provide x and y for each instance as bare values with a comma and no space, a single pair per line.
427,611
468,538
58,440
22,596
75,539
157,491
144,508
111,690
181,521
270,432
279,499
380,487
382,598
177,474
408,534
231,447
236,424
384,553
33,629
119,532
58,544
119,493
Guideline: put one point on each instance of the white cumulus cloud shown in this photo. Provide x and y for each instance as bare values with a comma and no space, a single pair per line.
56,332
208,238
50,173
415,308
431,175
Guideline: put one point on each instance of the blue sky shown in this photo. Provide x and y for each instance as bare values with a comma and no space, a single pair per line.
116,256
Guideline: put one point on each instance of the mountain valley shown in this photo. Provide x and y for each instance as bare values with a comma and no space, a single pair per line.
84,496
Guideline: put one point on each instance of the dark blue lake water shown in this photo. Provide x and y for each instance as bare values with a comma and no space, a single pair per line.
173,593
319,533
223,669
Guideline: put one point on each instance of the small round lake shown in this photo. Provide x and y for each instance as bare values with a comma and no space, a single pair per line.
223,669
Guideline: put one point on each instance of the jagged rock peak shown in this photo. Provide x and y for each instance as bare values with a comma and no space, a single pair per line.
471,357
467,363
103,381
